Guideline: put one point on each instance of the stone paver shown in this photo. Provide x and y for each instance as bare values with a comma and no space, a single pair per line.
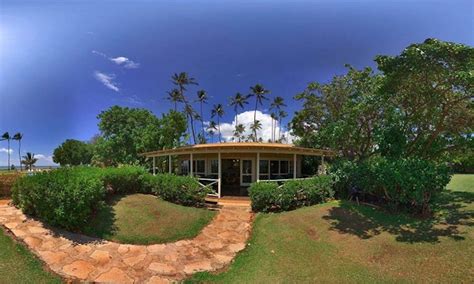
77,257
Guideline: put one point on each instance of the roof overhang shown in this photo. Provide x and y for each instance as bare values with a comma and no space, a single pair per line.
241,147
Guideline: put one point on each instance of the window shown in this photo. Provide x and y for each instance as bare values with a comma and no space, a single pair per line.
214,167
284,167
274,167
264,166
185,167
246,171
199,166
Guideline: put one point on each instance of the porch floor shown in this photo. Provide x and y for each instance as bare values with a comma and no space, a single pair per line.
230,200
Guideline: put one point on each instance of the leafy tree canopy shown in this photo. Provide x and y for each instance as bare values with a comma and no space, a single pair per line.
421,105
73,152
127,132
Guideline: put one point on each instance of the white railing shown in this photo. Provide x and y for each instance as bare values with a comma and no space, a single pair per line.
282,181
210,185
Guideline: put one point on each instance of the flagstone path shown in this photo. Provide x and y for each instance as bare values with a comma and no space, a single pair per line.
77,257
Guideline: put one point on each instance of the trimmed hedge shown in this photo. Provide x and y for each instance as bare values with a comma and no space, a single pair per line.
183,190
267,196
68,197
406,184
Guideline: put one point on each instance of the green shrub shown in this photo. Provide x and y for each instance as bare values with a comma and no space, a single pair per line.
125,180
182,190
408,184
268,196
63,197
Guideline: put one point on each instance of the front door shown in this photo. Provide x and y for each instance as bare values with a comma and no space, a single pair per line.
246,171
230,177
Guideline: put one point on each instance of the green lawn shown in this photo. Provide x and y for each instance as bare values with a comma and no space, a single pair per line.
145,219
343,242
18,265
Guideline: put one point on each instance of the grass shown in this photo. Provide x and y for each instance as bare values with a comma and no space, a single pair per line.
18,265
145,219
343,242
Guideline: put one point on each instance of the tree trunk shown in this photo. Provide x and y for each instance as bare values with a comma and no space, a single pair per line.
202,124
219,126
255,120
19,154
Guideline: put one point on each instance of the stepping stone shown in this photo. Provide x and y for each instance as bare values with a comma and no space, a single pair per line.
101,256
131,261
51,257
79,269
114,275
197,266
157,280
162,268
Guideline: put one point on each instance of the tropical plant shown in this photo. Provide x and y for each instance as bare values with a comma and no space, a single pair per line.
255,126
211,129
259,92
238,102
202,99
73,153
18,136
182,80
191,114
218,111
239,131
277,105
274,117
6,136
29,160
175,97
282,114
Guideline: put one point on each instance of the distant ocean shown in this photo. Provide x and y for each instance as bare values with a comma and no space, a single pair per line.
3,168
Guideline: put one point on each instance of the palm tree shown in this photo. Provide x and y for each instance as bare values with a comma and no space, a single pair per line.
282,114
6,136
238,102
277,105
175,97
257,125
29,160
182,80
202,99
18,136
211,129
239,131
218,111
259,92
191,114
274,119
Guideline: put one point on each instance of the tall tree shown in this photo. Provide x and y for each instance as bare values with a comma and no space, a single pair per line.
175,97
18,136
255,126
211,129
282,114
238,102
277,105
182,80
430,88
239,131
218,110
202,99
6,137
274,117
259,92
73,153
29,160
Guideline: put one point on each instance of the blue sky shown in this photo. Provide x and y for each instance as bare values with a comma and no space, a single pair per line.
62,62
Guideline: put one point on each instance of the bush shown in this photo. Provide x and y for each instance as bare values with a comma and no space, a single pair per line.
125,180
64,197
268,196
183,190
7,179
408,184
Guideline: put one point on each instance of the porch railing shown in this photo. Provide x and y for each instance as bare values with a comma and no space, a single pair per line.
210,183
280,182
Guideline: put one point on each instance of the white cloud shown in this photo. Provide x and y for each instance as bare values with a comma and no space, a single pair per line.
107,80
44,158
134,100
246,118
125,62
5,150
119,60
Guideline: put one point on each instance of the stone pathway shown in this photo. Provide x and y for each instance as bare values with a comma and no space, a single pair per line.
77,257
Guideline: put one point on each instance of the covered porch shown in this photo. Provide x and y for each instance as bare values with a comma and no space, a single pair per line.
230,168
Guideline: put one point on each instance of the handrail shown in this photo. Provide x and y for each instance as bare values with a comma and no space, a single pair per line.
282,180
209,185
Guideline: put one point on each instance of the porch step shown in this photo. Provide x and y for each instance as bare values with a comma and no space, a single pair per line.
229,201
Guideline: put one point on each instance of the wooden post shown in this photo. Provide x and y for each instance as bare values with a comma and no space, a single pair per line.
294,166
169,164
191,164
258,167
154,166
219,174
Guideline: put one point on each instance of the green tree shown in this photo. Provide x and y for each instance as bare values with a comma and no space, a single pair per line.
182,80
128,132
259,92
202,99
218,110
277,105
18,136
29,160
73,152
430,88
211,129
239,131
281,115
6,137
238,102
342,114
255,126
175,97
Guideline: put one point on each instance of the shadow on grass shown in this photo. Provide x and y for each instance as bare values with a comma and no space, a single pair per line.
453,210
101,226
